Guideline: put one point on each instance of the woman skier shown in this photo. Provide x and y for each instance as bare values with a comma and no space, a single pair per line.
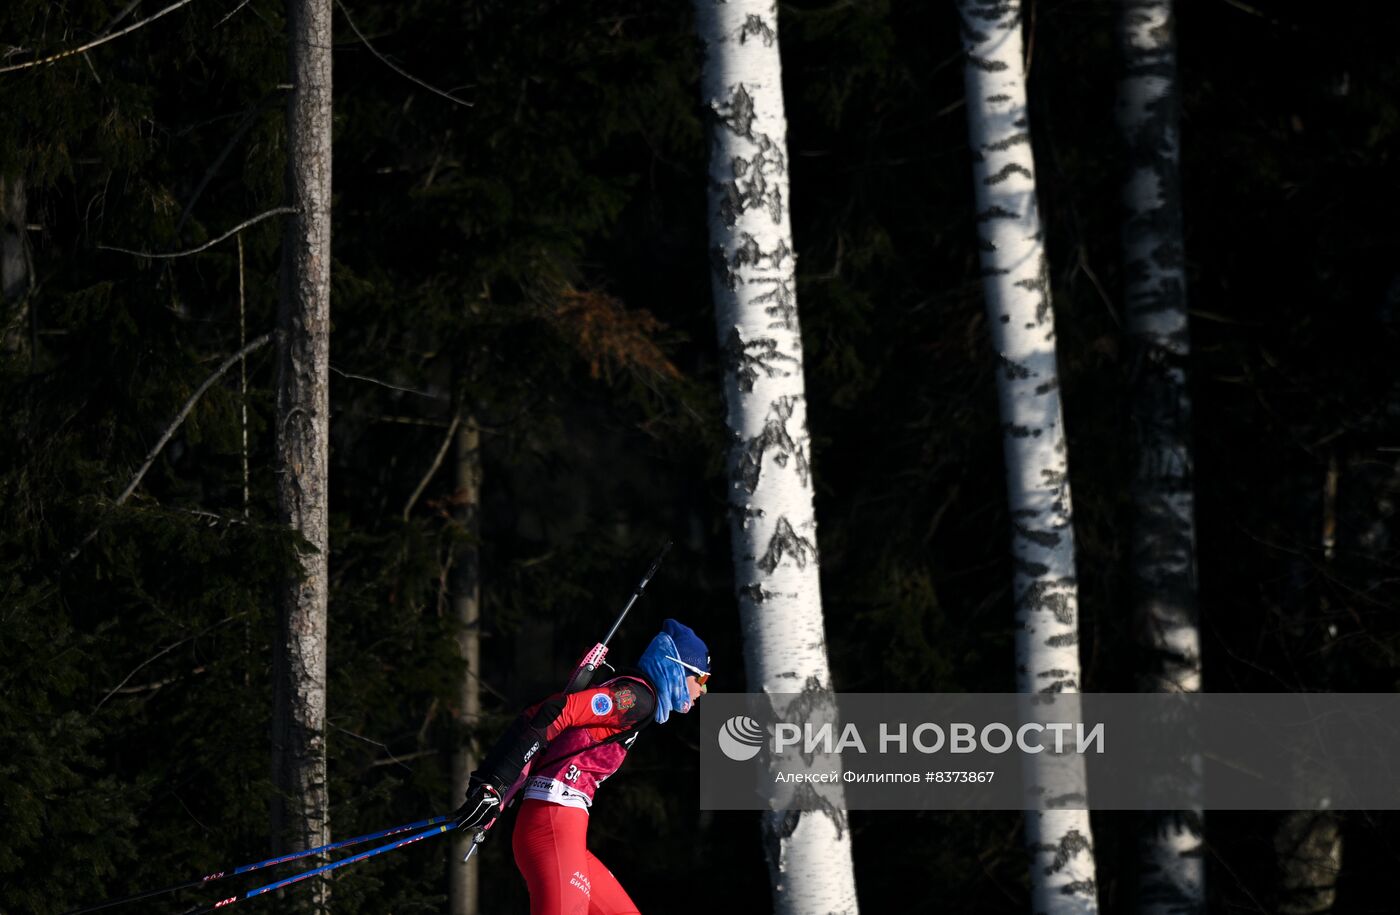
559,751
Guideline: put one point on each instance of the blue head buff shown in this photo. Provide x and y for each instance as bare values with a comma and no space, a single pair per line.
666,675
675,641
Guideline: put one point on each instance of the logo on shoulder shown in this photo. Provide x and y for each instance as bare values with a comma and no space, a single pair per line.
602,704
626,698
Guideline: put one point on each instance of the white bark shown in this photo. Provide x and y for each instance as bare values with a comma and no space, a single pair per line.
16,267
1309,847
773,522
463,880
1172,869
1164,560
1017,292
303,425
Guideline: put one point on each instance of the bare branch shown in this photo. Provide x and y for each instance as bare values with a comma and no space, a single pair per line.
279,211
249,119
392,760
92,44
399,760
87,59
230,13
159,654
437,462
405,420
153,686
170,431
212,517
243,372
427,720
385,384
395,67
116,20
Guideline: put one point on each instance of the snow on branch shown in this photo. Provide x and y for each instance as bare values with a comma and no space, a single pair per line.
395,67
170,431
94,43
279,211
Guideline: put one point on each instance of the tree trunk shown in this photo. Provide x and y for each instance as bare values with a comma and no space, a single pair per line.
463,880
16,267
1309,848
302,417
1017,291
1308,843
773,522
1163,544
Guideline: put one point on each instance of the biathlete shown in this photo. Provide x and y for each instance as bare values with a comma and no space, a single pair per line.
559,751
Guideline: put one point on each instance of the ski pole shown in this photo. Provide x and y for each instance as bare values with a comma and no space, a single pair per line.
259,865
583,674
325,868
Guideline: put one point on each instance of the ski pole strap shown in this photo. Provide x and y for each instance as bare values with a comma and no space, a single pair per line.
259,865
429,833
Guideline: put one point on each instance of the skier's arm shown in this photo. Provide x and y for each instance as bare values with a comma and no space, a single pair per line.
503,766
528,734
617,705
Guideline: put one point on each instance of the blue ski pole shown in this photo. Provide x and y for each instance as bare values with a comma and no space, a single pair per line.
325,868
259,865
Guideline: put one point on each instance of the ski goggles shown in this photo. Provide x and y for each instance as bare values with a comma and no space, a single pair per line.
701,676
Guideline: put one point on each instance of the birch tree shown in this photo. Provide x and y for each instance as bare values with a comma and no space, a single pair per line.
302,427
1017,293
1308,844
773,522
1163,544
16,270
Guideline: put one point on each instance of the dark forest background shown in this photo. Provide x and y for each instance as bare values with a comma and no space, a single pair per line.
539,260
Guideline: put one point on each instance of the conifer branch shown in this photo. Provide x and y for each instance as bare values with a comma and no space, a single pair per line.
279,211
95,42
395,67
170,431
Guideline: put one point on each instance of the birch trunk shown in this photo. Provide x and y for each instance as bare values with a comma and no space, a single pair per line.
773,522
1163,544
302,425
1308,843
463,879
1309,848
1017,291
16,268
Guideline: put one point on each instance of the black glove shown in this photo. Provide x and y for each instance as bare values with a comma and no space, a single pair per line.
481,807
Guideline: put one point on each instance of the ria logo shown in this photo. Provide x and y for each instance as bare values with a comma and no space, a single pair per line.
741,738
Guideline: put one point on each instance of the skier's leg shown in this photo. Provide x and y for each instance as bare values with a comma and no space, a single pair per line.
609,898
550,851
